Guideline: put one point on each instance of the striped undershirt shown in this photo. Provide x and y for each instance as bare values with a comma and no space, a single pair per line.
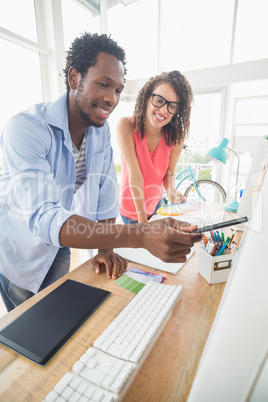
80,164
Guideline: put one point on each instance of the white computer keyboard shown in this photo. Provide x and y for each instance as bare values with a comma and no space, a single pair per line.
212,217
106,370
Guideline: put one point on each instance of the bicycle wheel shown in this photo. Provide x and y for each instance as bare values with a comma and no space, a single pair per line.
209,189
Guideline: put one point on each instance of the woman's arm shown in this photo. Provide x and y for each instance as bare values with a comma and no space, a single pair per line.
136,181
169,180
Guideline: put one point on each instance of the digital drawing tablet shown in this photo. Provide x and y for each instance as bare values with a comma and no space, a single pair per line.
44,328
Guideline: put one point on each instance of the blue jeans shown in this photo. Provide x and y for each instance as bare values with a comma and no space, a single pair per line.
128,221
13,295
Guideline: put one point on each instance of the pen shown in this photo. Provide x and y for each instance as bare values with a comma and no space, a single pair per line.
211,248
234,248
222,236
225,251
214,249
222,248
231,246
230,241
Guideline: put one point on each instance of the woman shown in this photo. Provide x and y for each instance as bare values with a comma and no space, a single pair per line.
151,142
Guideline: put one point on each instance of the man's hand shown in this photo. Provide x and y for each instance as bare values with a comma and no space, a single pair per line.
115,264
168,239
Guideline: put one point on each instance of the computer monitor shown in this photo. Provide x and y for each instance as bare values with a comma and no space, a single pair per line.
259,154
234,365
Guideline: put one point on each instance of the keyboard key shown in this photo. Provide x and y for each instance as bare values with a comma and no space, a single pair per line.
52,396
78,366
66,394
63,383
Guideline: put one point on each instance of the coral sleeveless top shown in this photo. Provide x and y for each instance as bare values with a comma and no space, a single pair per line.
153,166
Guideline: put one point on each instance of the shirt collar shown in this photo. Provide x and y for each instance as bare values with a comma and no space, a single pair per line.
57,115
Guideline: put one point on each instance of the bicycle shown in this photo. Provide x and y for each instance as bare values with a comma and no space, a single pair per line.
206,189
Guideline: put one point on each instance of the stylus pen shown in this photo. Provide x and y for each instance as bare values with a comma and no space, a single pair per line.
221,225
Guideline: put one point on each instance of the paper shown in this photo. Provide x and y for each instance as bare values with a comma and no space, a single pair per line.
129,284
181,209
144,257
157,277
142,278
134,279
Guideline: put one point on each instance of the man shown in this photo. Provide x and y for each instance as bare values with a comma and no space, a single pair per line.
58,187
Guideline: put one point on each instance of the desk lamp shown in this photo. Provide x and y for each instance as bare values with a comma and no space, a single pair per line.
219,154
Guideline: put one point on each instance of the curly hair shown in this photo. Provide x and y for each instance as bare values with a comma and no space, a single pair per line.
84,51
178,128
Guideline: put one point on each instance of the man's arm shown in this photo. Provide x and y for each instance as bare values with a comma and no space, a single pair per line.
167,238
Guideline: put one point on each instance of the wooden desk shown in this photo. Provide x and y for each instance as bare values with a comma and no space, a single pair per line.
169,370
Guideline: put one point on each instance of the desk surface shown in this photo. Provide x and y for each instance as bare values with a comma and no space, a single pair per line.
169,370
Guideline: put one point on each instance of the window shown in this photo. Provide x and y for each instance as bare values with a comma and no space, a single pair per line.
251,121
248,122
135,28
205,120
196,34
124,109
251,31
205,132
77,19
20,85
18,16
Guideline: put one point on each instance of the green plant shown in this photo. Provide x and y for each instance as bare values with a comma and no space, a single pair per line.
204,174
118,168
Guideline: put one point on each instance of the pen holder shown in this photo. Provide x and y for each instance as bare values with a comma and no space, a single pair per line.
214,269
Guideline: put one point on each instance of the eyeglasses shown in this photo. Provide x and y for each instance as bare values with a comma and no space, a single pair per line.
159,101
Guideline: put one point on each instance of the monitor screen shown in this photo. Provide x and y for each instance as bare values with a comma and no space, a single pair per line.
253,178
234,360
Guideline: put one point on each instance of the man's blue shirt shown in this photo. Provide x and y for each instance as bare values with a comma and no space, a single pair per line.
37,188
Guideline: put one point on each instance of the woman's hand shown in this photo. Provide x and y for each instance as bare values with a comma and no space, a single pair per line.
142,217
114,264
175,197
180,198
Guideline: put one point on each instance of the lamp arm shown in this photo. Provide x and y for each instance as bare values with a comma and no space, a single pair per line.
237,171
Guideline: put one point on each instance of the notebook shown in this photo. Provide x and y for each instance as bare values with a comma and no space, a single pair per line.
44,328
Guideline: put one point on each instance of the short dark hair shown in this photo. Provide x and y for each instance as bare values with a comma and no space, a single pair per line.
84,51
178,128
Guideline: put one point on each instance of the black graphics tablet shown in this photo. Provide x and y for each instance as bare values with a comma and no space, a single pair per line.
44,328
